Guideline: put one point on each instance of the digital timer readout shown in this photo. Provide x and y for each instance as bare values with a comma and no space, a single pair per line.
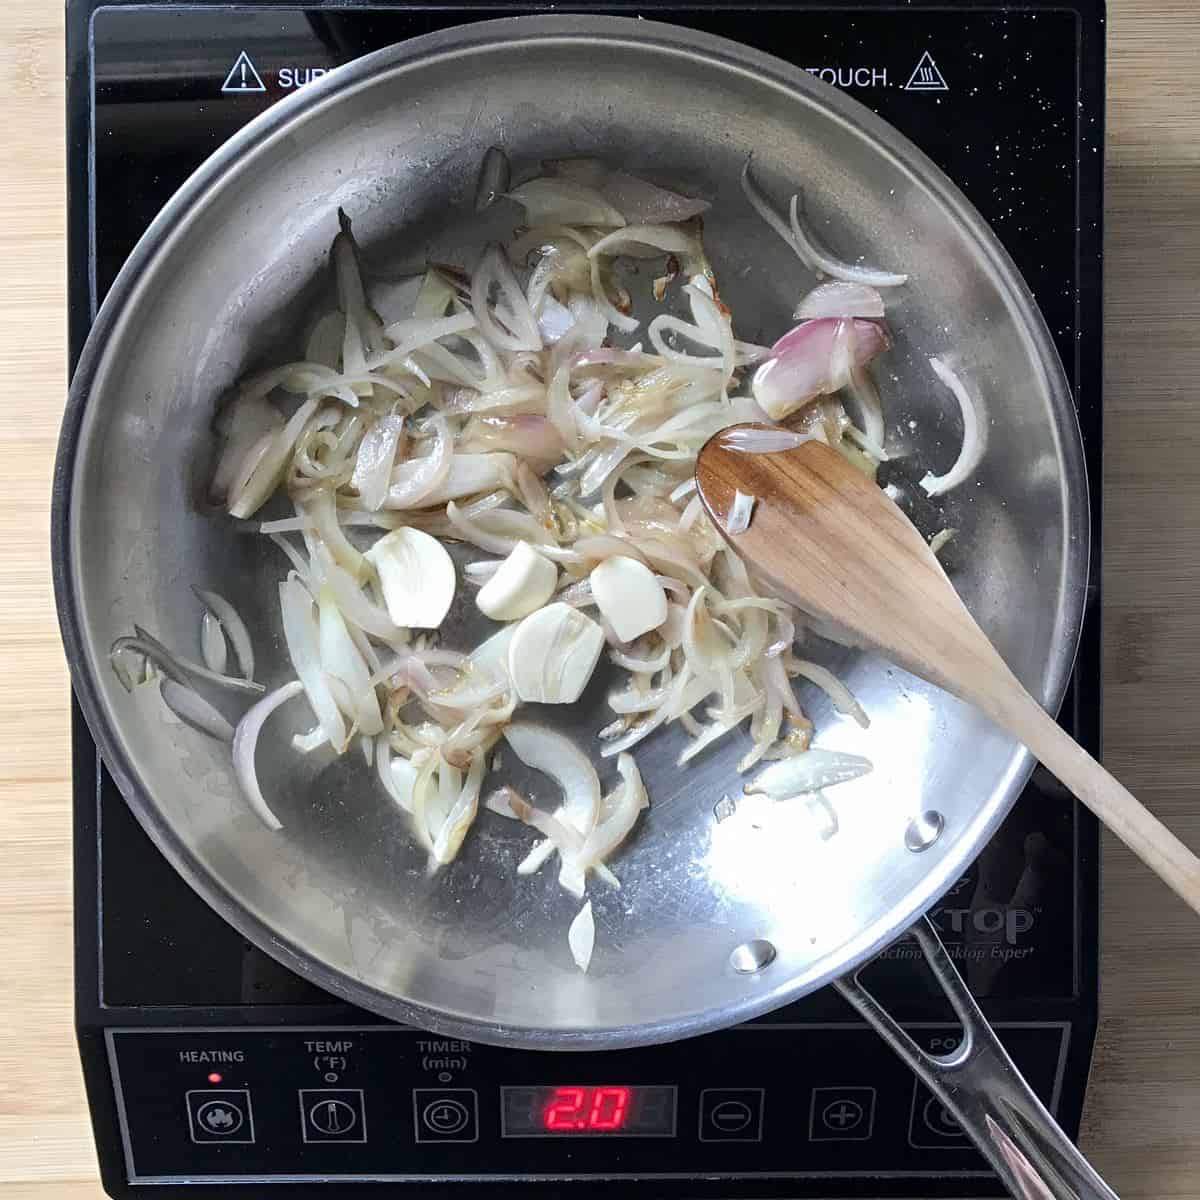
588,1110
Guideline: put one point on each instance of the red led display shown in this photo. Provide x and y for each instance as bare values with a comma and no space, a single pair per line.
583,1110
591,1109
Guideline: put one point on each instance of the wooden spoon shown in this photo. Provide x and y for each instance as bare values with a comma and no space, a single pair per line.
825,537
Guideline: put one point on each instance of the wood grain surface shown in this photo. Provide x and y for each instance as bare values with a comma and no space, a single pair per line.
1142,1127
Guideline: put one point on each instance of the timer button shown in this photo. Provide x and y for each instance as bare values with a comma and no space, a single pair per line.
446,1114
731,1114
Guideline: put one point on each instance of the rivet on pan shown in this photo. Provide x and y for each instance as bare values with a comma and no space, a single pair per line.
752,956
924,830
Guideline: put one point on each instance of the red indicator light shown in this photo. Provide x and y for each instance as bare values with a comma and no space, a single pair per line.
215,1077
601,1109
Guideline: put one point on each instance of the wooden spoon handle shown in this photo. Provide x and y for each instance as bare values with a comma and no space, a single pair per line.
825,537
1114,804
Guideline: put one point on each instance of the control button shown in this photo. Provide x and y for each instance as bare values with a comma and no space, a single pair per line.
446,1114
731,1114
333,1115
841,1114
931,1125
220,1116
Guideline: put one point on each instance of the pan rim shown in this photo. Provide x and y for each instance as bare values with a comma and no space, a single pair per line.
238,154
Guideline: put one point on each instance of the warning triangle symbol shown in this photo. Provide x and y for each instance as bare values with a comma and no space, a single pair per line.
243,77
926,77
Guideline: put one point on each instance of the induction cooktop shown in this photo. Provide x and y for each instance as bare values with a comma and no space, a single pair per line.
211,1069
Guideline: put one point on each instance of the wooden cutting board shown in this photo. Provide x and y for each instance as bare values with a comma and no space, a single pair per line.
1141,1126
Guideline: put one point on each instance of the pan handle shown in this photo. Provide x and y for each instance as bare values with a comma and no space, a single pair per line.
979,1084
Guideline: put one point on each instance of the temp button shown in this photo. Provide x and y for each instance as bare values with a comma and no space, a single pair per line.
731,1114
333,1115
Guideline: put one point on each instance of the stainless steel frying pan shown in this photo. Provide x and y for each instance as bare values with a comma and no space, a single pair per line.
717,921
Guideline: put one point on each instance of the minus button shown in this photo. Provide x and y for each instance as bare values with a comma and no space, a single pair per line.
731,1115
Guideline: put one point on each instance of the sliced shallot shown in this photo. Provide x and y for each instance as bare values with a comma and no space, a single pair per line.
510,324
581,936
761,440
375,460
553,754
191,708
250,494
641,202
802,364
245,742
557,200
213,648
820,259
941,539
176,667
740,512
233,627
448,839
840,300
300,633
413,481
665,239
808,772
974,435
493,178
396,774
841,696
619,814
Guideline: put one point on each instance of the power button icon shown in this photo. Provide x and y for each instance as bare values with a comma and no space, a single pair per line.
932,1126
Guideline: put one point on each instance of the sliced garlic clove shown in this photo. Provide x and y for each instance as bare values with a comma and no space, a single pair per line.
524,582
553,654
417,577
630,599
491,656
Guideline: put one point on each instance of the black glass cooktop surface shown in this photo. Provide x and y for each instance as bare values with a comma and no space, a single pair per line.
211,1066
